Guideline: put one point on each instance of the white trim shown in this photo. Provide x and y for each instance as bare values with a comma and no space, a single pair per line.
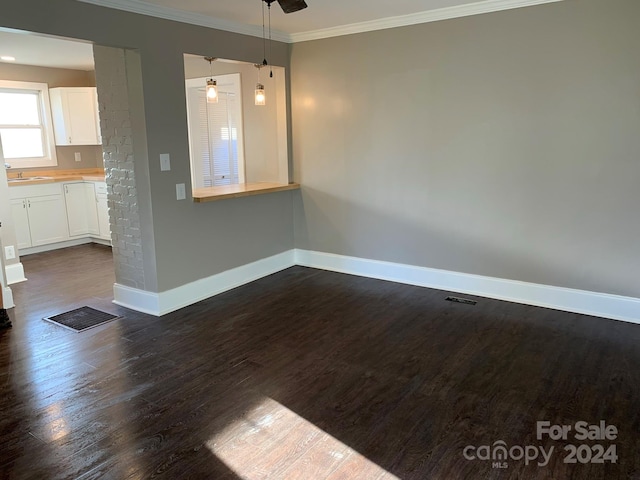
168,13
487,6
7,298
166,302
566,299
15,273
101,241
136,299
54,246
428,16
603,305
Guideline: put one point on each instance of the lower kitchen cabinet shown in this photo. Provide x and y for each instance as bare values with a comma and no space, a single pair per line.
20,217
82,214
39,216
47,214
103,210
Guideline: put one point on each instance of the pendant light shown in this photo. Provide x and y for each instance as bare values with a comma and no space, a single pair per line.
260,95
212,85
260,98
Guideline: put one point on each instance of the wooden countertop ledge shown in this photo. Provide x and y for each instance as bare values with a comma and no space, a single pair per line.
53,176
213,194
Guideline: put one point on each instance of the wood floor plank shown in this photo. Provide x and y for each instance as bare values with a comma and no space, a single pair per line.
304,374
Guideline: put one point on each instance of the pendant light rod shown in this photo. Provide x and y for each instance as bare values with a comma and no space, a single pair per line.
270,42
264,39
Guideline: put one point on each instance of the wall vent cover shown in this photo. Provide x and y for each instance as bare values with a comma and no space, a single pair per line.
466,301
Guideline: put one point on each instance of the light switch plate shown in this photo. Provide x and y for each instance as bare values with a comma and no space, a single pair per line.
78,156
165,162
181,192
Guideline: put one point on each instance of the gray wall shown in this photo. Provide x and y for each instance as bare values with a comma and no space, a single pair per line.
58,77
192,241
504,144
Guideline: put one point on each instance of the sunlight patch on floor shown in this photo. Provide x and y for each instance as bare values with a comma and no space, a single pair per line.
271,441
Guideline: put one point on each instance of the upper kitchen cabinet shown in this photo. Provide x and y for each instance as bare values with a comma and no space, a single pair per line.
75,115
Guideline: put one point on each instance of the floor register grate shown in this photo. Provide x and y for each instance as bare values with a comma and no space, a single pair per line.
81,319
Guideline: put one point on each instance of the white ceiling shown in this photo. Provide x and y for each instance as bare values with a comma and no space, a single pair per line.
44,51
319,15
323,18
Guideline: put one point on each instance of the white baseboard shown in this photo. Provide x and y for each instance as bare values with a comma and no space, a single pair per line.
15,273
566,299
101,241
55,246
166,302
7,298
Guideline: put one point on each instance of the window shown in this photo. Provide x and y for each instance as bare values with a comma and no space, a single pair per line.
25,125
215,133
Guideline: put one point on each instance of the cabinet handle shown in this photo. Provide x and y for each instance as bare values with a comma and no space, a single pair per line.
69,139
29,203
24,204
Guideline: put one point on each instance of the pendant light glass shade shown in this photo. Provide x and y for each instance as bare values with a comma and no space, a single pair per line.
261,98
212,91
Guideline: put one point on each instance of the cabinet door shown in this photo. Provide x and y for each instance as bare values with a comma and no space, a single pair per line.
91,207
47,220
103,217
75,115
75,201
21,222
82,117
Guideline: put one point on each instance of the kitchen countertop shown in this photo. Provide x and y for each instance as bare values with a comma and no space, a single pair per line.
212,194
38,177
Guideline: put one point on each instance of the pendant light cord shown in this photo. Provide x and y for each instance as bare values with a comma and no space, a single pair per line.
270,55
264,39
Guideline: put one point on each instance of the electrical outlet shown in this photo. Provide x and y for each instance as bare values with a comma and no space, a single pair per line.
181,191
78,156
9,252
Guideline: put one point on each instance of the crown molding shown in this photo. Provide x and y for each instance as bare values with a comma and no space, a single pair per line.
428,16
144,8
486,6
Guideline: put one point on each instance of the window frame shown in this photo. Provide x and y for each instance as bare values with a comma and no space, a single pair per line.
48,142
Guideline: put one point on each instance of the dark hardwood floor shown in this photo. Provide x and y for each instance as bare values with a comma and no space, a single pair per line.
304,374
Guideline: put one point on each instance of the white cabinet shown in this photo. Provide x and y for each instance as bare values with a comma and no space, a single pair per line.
82,214
59,213
103,210
21,222
47,220
39,215
75,115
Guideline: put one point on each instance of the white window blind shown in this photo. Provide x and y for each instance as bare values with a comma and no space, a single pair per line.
218,137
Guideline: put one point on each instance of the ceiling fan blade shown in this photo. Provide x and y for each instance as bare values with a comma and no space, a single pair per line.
290,6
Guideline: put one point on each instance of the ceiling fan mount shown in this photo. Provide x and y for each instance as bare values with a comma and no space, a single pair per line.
288,6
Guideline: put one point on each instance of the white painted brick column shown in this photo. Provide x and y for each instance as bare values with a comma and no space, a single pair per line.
120,165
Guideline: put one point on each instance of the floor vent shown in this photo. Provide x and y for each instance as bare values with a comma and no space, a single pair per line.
466,301
81,318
